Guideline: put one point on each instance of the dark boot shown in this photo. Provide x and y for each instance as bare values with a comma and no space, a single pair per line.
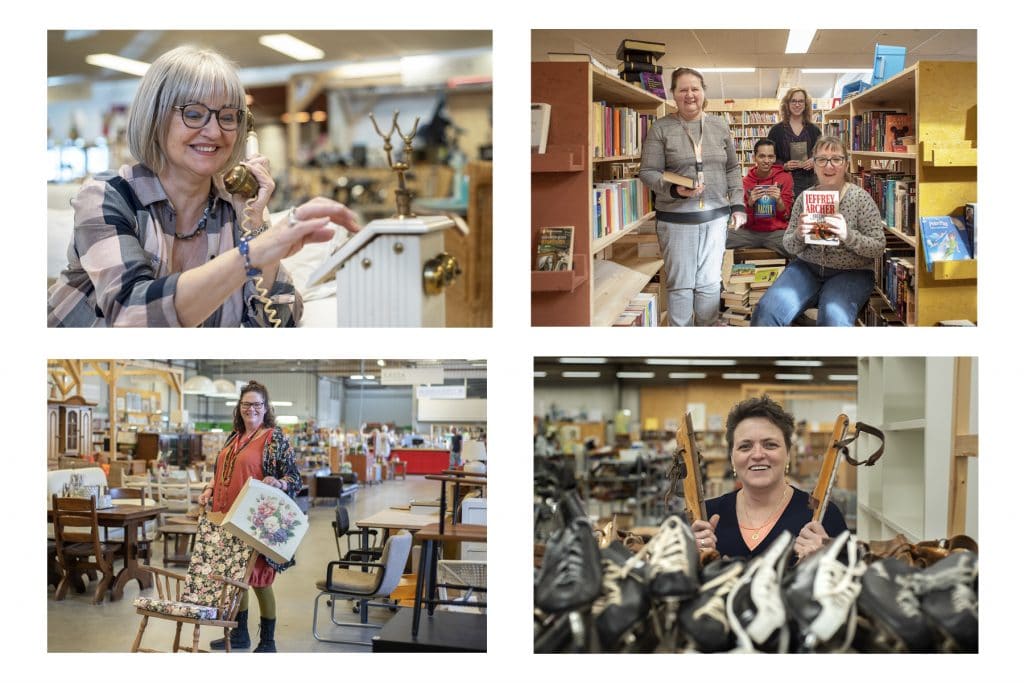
266,643
239,635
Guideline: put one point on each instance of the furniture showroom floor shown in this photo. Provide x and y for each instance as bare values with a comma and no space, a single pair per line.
76,625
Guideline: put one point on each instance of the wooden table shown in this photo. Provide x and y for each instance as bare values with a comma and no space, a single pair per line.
426,578
129,518
393,520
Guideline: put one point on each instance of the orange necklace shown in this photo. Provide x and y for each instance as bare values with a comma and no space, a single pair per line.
237,447
771,518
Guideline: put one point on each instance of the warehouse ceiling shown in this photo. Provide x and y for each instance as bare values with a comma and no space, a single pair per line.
339,368
765,50
66,50
658,370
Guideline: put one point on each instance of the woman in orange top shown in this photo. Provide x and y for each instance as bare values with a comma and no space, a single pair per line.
256,449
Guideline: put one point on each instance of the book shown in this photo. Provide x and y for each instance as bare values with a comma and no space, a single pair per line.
820,203
970,218
637,67
896,127
765,206
632,45
540,119
742,272
798,151
652,83
676,179
942,240
554,248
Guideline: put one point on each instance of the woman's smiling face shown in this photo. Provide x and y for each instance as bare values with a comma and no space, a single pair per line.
689,96
759,453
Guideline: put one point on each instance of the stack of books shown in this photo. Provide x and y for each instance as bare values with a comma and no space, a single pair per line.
746,284
638,64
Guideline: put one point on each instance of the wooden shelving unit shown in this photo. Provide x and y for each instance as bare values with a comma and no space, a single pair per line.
941,98
604,269
751,119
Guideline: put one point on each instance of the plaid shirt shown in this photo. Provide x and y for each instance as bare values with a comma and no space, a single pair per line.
119,260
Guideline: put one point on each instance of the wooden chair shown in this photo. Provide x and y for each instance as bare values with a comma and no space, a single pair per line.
208,595
363,582
80,551
144,539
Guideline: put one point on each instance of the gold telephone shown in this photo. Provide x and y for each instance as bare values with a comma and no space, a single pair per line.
240,181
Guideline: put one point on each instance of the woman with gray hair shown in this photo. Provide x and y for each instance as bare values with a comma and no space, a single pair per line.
162,243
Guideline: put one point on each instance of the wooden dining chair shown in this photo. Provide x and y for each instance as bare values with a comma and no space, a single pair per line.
208,595
143,542
79,547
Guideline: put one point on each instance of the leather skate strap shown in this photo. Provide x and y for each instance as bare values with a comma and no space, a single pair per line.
844,445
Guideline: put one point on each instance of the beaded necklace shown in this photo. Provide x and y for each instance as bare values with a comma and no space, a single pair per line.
201,227
232,456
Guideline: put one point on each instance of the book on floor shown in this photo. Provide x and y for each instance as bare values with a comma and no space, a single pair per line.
554,248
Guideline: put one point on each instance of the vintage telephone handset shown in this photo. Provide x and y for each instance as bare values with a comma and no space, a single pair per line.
240,181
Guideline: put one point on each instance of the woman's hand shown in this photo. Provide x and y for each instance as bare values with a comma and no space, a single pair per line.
307,223
806,164
738,220
687,192
260,167
276,483
838,226
205,497
793,165
811,538
704,532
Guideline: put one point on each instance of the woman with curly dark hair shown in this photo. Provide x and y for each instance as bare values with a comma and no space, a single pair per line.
255,449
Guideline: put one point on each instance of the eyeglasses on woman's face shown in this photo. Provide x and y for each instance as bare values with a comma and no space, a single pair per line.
196,115
245,405
832,161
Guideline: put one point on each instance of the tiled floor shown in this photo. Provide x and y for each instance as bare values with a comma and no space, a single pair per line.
76,625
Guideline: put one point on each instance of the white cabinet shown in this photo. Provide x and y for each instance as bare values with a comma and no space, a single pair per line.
907,490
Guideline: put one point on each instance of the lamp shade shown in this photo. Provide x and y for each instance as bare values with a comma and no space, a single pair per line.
200,384
224,388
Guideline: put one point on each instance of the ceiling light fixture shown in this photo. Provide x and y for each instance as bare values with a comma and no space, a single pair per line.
198,385
289,45
799,40
726,70
690,361
634,375
799,363
582,361
539,373
843,378
794,376
368,69
687,375
741,375
838,70
122,64
570,374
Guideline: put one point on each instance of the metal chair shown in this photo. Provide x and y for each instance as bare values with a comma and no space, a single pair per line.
362,582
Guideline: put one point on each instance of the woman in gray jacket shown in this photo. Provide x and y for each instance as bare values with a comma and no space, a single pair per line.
692,222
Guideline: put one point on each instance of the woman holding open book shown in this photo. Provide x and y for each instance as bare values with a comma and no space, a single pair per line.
836,233
689,161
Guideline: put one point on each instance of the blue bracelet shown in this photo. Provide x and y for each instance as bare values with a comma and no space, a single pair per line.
243,246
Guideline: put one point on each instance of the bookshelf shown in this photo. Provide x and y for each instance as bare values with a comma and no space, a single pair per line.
941,98
607,271
751,119
911,400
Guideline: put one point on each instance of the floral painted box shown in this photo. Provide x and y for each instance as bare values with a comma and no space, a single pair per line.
268,520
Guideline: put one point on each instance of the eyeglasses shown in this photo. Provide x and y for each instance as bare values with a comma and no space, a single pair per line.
245,405
798,101
197,115
834,161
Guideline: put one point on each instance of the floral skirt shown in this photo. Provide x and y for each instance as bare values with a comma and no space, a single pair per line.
262,574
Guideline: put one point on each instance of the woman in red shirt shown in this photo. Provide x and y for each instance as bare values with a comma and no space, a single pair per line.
256,449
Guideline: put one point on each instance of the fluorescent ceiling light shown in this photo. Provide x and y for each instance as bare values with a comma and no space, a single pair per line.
634,375
843,378
726,70
278,404
582,361
687,375
689,361
293,47
580,375
838,70
381,363
799,363
128,66
799,40
741,375
539,373
784,375
369,69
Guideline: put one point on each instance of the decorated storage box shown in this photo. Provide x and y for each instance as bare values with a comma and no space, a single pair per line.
268,520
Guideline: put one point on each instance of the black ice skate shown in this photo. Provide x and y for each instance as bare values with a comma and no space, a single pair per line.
946,592
703,619
622,608
570,576
754,608
821,593
889,604
672,565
